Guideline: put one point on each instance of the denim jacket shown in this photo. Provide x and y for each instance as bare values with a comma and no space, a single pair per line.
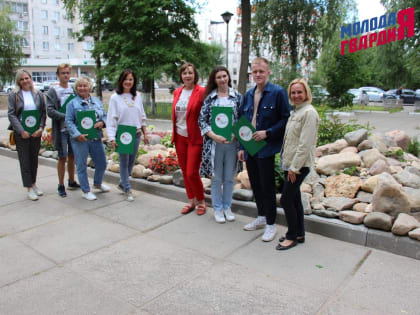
78,104
273,113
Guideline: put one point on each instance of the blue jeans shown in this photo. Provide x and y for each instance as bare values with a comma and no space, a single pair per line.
224,169
126,165
96,150
65,148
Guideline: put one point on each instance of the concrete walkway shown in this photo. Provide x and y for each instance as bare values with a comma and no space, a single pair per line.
72,256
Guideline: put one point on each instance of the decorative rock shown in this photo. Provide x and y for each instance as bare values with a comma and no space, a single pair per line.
395,169
365,145
342,186
364,197
388,196
378,220
206,182
48,154
155,147
369,185
369,208
400,137
154,139
352,217
329,164
339,203
349,149
306,203
379,167
414,198
371,156
115,168
153,178
326,213
306,188
393,162
244,179
317,206
360,207
312,177
178,179
337,146
415,164
404,224
165,179
243,194
137,171
322,150
317,192
144,159
415,234
355,137
147,172
413,170
408,179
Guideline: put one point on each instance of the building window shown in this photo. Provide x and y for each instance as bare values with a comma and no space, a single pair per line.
21,25
45,45
57,46
56,16
44,14
57,2
45,30
43,76
24,42
70,46
17,7
44,1
69,32
57,31
88,45
235,71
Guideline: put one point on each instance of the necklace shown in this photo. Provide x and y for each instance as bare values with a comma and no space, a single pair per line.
129,102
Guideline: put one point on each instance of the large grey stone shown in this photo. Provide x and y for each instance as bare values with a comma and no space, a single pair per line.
400,137
317,192
379,167
165,179
326,213
178,178
243,194
415,234
369,157
413,170
330,164
378,220
365,145
339,203
306,203
369,184
388,196
404,224
363,196
414,198
154,139
337,146
353,217
354,138
407,178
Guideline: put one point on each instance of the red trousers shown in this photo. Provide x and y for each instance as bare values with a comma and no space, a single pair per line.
189,158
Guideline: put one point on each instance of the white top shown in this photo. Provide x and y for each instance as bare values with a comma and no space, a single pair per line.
181,112
224,101
62,95
123,110
28,100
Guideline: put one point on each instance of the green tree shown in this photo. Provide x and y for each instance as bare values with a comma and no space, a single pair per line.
10,50
245,47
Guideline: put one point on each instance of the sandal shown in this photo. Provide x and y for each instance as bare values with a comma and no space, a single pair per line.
299,239
187,209
201,209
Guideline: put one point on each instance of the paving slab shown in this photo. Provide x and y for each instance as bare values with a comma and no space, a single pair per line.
229,288
74,236
59,291
384,284
320,263
145,213
18,261
27,214
203,234
140,269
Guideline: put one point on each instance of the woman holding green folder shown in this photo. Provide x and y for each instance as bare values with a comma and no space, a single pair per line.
126,109
23,100
219,159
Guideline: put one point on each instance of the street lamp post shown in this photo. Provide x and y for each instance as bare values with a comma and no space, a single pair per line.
226,17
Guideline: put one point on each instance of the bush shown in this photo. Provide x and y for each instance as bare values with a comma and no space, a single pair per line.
414,146
345,100
278,173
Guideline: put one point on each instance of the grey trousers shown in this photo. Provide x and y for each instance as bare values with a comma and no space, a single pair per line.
28,150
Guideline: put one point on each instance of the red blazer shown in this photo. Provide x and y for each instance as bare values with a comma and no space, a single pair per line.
193,111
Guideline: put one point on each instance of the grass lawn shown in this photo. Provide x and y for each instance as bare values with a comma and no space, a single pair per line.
324,108
163,111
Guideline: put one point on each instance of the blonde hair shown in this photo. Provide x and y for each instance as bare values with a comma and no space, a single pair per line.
261,60
62,66
19,75
83,79
305,86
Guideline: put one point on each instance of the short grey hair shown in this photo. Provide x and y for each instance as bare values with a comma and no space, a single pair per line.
82,79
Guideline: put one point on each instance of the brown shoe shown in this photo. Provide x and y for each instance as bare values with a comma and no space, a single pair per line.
201,209
187,209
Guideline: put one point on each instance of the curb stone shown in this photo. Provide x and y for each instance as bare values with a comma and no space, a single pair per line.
333,228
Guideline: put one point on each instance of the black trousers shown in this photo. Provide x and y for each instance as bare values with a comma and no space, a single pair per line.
28,150
261,176
292,204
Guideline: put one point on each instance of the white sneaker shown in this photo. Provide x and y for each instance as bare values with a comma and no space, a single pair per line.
258,223
38,191
219,217
129,195
269,233
103,188
89,196
228,214
32,194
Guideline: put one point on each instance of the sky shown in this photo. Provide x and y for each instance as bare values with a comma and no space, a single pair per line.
367,8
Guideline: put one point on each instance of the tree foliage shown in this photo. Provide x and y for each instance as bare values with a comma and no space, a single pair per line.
10,50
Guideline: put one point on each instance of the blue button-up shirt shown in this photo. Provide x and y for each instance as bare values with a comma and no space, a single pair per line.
272,115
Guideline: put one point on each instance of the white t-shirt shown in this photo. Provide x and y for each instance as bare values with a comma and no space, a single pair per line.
28,100
62,95
181,112
123,110
224,101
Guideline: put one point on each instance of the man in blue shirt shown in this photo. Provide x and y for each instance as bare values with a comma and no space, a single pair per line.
267,107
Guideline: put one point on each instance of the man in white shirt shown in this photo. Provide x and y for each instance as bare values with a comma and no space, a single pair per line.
56,98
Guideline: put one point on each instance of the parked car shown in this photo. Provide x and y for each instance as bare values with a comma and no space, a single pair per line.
47,84
375,94
408,96
360,96
7,88
39,86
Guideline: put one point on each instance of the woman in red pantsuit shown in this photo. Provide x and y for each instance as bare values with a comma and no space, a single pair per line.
186,134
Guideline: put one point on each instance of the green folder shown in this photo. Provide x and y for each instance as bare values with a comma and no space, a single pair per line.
30,120
221,121
126,138
64,106
243,131
86,120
